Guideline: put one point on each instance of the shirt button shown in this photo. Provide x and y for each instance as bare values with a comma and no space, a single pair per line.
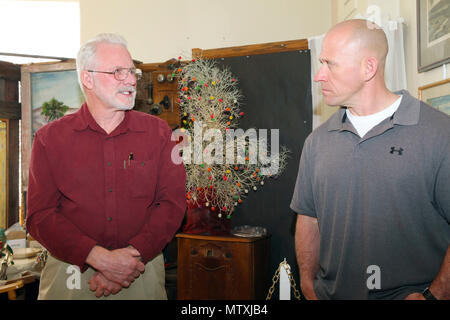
109,190
109,164
109,218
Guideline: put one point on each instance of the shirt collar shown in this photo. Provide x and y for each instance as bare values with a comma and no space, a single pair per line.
84,119
407,114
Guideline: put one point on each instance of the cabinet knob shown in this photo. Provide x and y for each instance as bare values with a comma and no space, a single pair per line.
193,251
228,255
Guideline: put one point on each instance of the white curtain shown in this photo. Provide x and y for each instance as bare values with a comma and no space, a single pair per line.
395,72
319,107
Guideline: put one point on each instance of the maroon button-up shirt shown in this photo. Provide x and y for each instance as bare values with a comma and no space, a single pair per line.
87,187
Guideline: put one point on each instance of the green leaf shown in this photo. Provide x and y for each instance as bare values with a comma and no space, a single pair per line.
9,249
53,109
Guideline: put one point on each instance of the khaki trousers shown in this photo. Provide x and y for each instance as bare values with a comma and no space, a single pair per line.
62,281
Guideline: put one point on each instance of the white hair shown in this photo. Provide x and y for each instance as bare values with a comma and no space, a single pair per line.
87,52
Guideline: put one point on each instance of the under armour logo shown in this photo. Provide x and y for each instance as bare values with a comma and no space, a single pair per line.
399,150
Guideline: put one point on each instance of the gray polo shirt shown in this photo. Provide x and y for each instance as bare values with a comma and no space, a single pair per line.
382,202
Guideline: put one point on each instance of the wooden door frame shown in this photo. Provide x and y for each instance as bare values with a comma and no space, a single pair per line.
10,113
7,171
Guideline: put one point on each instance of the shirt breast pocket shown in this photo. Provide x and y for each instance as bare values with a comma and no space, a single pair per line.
142,178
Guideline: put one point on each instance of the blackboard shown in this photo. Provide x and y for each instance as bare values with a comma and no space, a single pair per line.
276,91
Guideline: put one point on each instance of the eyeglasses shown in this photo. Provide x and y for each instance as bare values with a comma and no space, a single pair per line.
121,74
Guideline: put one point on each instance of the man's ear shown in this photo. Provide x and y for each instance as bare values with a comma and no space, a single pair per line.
370,67
87,79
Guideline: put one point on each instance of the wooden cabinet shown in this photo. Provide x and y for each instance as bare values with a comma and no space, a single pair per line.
222,267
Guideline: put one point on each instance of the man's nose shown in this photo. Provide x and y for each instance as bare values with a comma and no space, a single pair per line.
131,79
321,74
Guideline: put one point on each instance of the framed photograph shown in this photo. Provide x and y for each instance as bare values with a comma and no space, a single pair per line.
433,33
48,91
437,95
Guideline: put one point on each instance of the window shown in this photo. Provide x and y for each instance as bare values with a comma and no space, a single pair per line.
43,28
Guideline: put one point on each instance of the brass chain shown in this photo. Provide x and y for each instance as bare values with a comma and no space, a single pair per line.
276,278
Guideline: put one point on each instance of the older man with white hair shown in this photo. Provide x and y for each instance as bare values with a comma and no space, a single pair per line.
104,194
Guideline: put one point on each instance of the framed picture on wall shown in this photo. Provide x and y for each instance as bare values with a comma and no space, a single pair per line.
433,33
437,95
49,91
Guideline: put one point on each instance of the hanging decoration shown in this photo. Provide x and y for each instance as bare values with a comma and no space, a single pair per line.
209,100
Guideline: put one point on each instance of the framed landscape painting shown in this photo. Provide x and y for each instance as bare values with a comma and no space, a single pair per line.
48,91
437,95
433,33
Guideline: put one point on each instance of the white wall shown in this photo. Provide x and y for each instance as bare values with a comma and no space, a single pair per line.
158,30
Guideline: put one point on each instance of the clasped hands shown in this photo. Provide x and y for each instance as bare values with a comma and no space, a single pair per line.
116,269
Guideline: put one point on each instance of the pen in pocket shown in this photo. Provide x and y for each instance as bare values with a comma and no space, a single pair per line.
130,157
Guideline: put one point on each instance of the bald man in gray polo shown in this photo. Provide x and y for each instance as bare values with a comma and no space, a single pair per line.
373,207
381,201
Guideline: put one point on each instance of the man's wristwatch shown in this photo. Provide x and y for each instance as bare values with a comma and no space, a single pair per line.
428,295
